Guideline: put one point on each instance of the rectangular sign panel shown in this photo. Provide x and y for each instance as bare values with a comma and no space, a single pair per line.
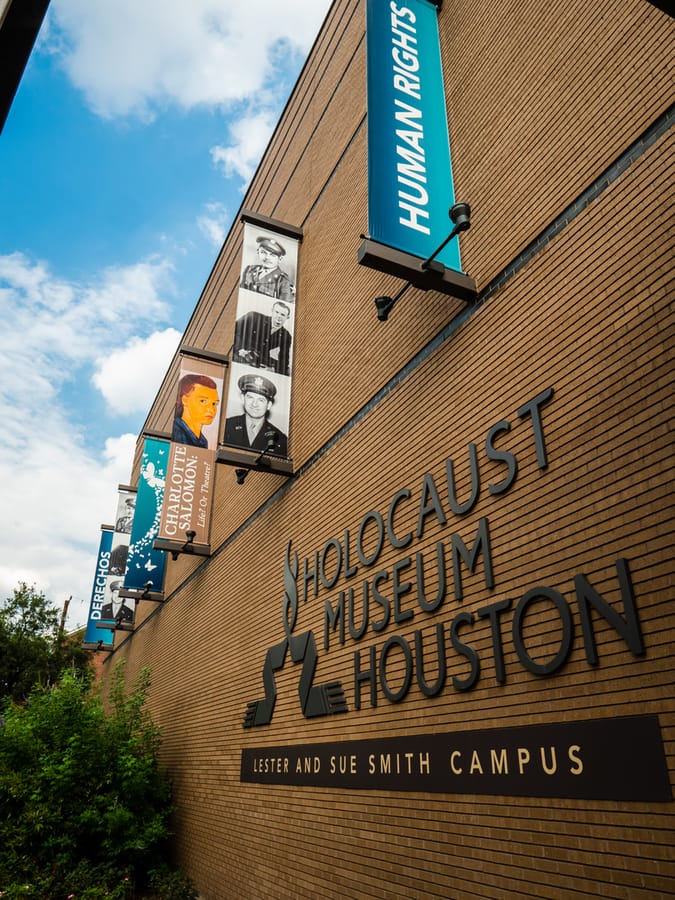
187,495
124,518
198,403
600,759
126,507
259,394
410,188
94,636
189,482
116,608
145,565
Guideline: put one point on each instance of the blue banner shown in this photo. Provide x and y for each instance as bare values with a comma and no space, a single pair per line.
93,635
410,188
145,565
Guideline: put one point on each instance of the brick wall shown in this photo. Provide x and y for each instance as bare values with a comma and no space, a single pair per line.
542,102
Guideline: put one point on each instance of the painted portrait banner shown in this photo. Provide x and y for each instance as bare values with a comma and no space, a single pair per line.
145,565
197,408
410,189
259,392
188,495
95,637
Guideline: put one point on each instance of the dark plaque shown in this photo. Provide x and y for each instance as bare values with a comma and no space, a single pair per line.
601,759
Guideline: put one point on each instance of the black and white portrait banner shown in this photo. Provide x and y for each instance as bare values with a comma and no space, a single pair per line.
124,519
259,394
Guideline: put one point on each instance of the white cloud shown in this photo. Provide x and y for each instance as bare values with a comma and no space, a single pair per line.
61,323
130,293
127,58
131,57
58,488
213,223
250,136
56,494
129,377
119,457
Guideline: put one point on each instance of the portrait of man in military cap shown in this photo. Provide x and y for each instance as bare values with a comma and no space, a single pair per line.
116,609
267,276
125,513
253,430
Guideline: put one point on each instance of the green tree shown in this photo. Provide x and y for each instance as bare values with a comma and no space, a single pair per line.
32,648
84,804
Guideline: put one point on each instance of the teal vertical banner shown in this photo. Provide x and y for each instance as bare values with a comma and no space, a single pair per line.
93,635
410,188
145,565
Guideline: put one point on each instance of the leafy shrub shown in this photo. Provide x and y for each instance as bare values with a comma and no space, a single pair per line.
84,805
167,884
33,648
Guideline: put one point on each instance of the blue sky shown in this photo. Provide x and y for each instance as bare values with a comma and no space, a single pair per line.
124,159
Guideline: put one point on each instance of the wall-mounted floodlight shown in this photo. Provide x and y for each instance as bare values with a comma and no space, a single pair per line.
261,460
148,593
187,546
460,213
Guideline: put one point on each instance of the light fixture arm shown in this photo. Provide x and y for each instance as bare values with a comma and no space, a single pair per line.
386,304
460,213
187,546
260,461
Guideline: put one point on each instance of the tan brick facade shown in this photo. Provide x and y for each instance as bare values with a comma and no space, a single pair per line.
559,127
